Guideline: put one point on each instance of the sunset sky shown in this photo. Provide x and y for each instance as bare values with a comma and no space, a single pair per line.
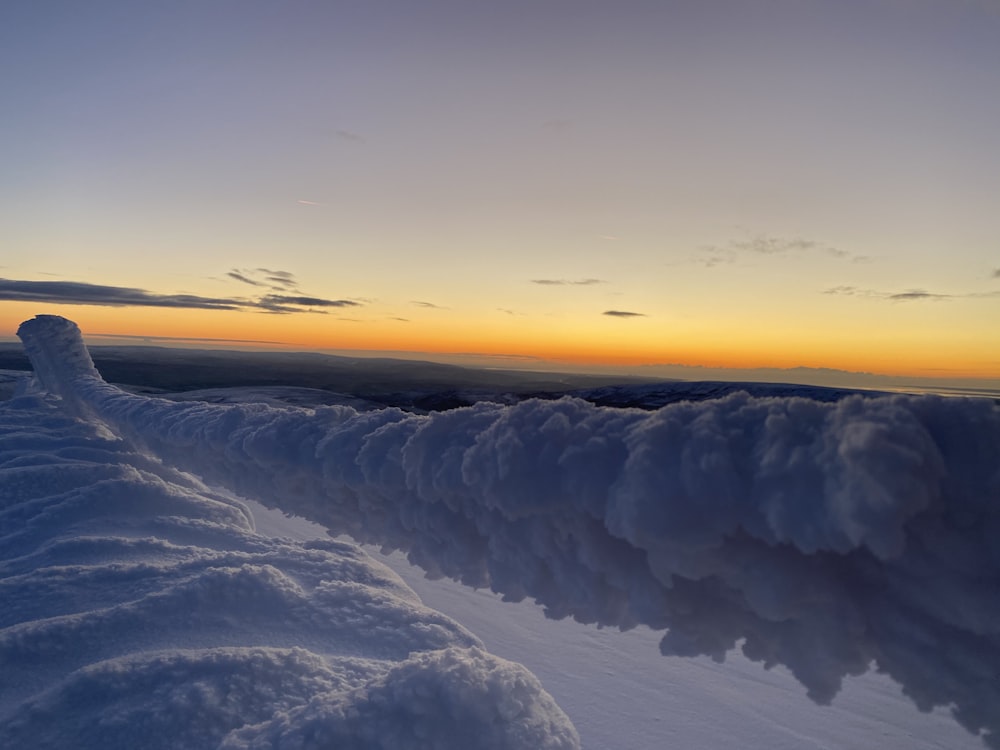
740,183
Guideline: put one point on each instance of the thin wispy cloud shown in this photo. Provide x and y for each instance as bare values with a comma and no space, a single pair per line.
280,281
304,202
347,135
773,246
427,305
81,293
244,279
623,314
281,278
908,295
568,282
711,256
766,245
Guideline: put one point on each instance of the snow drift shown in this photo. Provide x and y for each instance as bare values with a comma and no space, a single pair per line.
829,537
141,609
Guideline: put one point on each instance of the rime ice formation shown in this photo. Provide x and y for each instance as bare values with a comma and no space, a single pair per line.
828,537
141,609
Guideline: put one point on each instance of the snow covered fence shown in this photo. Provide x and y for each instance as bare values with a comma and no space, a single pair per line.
825,537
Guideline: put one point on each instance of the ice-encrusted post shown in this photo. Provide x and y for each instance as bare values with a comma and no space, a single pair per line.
57,353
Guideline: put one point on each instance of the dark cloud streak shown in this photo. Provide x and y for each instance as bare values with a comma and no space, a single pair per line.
234,274
281,300
623,314
915,294
82,293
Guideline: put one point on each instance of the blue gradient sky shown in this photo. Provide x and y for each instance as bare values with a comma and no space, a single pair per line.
746,183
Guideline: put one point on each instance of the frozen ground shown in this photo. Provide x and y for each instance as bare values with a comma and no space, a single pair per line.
830,537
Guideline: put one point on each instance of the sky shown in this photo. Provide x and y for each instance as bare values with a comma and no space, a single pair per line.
728,183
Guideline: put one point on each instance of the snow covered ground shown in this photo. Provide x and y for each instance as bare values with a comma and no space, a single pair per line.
141,609
827,537
621,695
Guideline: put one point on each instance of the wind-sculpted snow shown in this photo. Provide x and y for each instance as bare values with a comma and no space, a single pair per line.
828,537
142,610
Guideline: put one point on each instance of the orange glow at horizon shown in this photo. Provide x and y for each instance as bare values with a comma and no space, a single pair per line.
601,343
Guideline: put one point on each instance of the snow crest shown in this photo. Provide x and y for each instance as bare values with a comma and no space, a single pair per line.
828,537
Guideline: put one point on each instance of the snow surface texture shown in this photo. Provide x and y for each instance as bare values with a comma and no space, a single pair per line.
141,609
826,536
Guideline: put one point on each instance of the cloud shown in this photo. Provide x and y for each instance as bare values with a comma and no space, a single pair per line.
81,293
284,279
568,282
308,203
234,274
348,135
849,291
711,256
910,295
428,305
914,294
770,245
996,273
766,245
277,280
280,299
623,314
282,282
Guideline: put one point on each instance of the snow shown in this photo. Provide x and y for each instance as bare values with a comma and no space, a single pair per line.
828,537
142,609
620,696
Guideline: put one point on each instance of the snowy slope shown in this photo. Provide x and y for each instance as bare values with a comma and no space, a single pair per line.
141,609
827,537
621,696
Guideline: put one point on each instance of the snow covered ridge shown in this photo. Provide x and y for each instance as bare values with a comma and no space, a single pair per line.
141,609
829,537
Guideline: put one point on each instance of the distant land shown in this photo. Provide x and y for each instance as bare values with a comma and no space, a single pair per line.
414,383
